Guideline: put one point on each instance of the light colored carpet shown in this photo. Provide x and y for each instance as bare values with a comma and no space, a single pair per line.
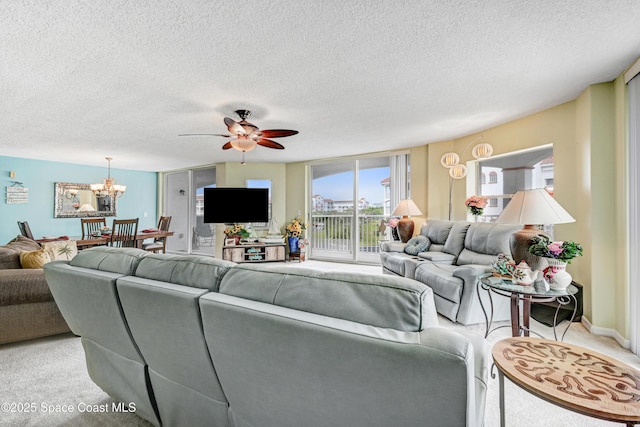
51,373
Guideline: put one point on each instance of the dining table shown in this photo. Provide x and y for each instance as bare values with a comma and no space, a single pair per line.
89,241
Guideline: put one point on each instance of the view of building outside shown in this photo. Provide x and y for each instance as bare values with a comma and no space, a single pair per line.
499,182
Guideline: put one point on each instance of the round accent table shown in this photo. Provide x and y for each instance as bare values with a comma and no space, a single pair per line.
569,376
526,294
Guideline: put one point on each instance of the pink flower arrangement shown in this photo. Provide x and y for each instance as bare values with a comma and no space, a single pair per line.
476,204
393,222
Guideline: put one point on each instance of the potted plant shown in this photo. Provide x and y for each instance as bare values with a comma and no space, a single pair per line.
236,232
558,255
476,204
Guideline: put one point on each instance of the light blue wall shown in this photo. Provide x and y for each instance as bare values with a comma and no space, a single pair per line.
39,176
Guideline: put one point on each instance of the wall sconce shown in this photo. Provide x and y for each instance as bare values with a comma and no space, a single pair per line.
457,170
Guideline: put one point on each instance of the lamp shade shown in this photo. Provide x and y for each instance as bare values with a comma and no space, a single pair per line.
449,159
87,208
458,171
534,207
406,207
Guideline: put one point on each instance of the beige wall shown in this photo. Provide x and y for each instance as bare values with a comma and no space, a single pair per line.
588,137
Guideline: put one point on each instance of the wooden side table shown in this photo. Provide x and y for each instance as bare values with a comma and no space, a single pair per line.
569,376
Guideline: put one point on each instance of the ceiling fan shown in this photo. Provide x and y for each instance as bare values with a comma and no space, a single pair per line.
247,135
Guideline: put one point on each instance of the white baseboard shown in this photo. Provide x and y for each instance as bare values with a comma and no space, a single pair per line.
606,332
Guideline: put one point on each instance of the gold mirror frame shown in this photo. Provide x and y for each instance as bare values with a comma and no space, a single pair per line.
70,197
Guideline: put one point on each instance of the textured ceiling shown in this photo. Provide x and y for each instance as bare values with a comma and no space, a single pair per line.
81,80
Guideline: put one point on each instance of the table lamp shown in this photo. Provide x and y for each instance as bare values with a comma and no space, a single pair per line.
531,208
405,226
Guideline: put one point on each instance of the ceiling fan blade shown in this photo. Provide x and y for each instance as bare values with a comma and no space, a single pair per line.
227,146
277,133
269,144
234,127
205,134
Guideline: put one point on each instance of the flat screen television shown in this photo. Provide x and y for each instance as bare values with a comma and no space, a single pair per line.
236,205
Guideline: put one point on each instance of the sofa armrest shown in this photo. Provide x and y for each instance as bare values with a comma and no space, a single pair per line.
392,246
470,310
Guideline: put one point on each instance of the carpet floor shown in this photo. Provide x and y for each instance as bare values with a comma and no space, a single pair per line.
48,378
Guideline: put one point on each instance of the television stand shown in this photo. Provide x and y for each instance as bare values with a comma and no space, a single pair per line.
258,252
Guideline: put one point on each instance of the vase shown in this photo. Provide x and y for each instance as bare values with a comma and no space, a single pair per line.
556,274
293,244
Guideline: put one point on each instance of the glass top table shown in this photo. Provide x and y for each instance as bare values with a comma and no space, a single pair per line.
527,294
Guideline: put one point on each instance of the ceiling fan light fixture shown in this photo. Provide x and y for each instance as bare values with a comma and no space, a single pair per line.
243,144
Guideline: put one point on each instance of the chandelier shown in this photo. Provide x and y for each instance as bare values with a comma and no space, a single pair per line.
108,186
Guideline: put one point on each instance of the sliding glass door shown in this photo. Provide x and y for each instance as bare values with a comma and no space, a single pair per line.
184,202
350,199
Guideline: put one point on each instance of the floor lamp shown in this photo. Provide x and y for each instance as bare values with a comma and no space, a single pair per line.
405,226
531,208
457,170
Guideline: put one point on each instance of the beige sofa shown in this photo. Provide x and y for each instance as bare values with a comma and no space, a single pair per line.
27,308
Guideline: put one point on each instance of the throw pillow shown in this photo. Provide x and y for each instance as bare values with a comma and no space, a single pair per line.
61,250
34,259
416,245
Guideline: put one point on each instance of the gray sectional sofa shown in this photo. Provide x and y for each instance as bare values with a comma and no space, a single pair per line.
198,341
456,254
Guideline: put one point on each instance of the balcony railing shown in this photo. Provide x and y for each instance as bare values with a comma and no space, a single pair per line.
335,232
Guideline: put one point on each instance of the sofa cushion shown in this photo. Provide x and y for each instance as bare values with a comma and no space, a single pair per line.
441,280
9,259
61,249
456,238
21,243
10,253
193,271
416,245
484,241
34,259
114,260
438,257
377,300
437,231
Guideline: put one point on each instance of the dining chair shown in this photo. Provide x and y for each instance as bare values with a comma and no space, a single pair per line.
25,230
123,233
159,243
91,226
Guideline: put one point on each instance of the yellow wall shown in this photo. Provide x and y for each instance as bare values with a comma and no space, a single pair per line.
589,140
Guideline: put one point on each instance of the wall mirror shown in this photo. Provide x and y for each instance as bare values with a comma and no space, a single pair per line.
78,201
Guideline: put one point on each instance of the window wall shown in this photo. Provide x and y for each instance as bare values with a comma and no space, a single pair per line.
350,199
512,172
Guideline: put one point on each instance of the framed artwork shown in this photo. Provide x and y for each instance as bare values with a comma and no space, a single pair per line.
229,242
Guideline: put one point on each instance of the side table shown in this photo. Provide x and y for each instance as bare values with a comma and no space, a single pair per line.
569,376
526,294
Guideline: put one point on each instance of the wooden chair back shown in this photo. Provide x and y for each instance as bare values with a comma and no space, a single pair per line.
159,243
25,230
91,225
123,233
